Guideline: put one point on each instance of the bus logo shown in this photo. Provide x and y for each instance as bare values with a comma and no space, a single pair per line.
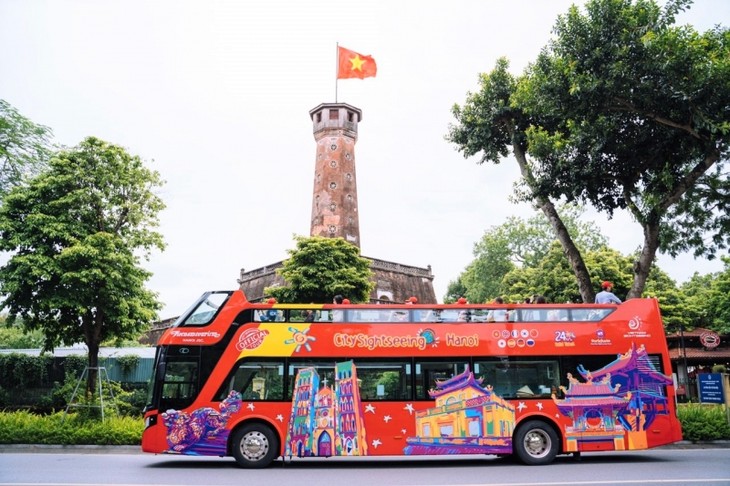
635,323
251,339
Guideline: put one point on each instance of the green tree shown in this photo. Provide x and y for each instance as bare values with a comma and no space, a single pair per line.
319,268
697,293
77,232
630,112
520,243
24,147
719,300
490,124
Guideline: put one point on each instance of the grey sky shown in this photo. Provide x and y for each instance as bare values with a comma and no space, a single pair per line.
216,95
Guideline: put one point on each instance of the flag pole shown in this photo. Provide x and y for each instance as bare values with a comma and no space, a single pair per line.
337,66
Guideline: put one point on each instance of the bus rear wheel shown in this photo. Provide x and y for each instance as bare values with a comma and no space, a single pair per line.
254,445
536,443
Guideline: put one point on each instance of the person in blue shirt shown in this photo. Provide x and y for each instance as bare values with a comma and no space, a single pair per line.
605,296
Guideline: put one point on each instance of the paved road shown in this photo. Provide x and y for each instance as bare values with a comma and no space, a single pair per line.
127,467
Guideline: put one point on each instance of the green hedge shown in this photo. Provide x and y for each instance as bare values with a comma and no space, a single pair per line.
68,429
702,422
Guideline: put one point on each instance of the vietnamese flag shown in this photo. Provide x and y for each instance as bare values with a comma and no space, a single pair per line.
354,65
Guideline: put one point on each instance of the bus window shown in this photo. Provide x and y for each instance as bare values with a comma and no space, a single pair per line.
429,373
384,380
180,384
511,378
365,315
450,315
206,310
302,315
269,315
256,380
482,315
588,314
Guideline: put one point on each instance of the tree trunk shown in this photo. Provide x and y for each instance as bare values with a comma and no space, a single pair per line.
92,338
575,259
572,253
91,384
642,266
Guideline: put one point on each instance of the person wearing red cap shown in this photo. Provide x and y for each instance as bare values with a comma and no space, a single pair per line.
605,296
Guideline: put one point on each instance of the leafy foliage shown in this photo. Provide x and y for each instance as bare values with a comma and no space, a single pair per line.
24,147
633,114
703,422
72,429
15,337
622,110
518,245
78,231
320,268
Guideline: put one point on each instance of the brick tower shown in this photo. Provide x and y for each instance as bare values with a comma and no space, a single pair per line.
334,202
335,212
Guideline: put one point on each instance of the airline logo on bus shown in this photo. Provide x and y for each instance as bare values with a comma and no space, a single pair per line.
251,339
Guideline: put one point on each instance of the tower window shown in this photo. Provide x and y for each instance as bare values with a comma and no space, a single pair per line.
333,163
319,117
334,114
333,147
333,185
333,229
350,116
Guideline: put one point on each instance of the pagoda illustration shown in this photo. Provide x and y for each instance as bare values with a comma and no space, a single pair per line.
326,421
466,419
617,402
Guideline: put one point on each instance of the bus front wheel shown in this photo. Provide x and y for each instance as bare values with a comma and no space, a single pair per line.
536,443
254,445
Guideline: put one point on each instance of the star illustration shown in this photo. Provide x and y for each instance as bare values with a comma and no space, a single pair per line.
251,406
369,408
357,63
539,406
521,406
280,418
409,407
376,443
387,418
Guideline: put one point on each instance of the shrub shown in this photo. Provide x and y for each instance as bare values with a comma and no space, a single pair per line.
68,429
703,422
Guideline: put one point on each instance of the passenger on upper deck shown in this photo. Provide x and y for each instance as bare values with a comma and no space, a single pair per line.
605,296
498,315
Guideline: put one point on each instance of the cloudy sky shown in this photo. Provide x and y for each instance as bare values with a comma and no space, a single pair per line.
215,95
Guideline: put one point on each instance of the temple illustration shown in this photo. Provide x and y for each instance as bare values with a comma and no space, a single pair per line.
467,418
620,400
326,421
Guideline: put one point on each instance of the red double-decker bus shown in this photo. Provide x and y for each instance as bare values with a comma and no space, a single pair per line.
262,381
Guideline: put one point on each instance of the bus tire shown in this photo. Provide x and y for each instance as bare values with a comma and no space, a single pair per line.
254,445
536,443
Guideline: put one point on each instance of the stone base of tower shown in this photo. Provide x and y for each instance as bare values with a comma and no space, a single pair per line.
394,282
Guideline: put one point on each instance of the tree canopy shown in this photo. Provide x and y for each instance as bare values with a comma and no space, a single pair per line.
634,115
77,232
622,109
319,268
24,147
